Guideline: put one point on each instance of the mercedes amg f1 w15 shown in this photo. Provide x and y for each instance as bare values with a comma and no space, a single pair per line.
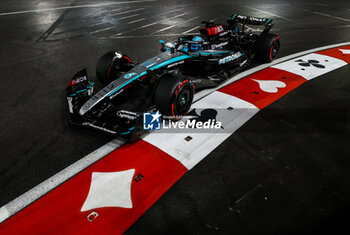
168,81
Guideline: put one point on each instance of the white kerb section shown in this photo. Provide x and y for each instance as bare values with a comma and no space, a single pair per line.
311,65
4,214
189,153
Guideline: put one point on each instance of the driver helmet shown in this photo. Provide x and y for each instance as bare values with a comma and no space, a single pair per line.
196,47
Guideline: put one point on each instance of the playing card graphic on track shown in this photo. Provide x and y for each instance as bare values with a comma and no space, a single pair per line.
345,51
270,86
311,65
109,189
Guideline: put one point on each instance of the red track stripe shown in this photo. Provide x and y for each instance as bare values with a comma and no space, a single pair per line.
336,53
58,212
249,90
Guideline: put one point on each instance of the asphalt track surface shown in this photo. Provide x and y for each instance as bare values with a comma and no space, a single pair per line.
284,171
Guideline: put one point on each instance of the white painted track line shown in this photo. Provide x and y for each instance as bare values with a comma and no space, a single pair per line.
134,21
100,23
40,190
127,17
125,12
148,25
342,26
190,30
334,17
172,26
72,7
119,35
113,10
4,214
268,13
168,12
104,29
177,16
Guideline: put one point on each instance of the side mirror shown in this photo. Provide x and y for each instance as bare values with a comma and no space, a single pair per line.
167,46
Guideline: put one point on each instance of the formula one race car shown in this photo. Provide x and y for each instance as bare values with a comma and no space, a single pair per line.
168,81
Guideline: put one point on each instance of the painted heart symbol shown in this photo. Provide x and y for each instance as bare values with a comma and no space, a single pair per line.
344,51
270,86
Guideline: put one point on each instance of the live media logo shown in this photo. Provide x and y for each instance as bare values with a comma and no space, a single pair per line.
151,121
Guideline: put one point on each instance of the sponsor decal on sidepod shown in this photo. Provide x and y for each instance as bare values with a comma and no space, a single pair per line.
230,58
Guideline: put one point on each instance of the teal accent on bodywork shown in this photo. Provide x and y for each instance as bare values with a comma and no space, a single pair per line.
234,16
167,62
124,133
143,74
173,60
81,91
129,75
123,85
179,58
214,53
268,21
74,94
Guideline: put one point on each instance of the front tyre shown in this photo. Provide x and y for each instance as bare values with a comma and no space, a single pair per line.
267,47
111,65
174,95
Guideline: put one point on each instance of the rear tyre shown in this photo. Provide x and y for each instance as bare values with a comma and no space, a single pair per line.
174,95
111,65
267,47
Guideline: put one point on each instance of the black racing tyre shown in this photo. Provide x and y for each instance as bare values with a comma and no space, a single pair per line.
174,95
267,47
109,66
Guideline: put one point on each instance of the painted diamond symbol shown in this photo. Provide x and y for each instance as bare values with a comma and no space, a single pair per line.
109,189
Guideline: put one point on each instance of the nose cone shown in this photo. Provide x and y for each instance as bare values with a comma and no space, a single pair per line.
85,108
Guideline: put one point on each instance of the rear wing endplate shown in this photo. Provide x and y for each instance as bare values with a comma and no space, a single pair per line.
251,20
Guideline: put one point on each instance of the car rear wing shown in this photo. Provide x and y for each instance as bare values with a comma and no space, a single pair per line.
250,20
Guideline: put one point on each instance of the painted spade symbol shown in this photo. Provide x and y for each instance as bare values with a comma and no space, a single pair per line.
314,63
206,114
270,86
